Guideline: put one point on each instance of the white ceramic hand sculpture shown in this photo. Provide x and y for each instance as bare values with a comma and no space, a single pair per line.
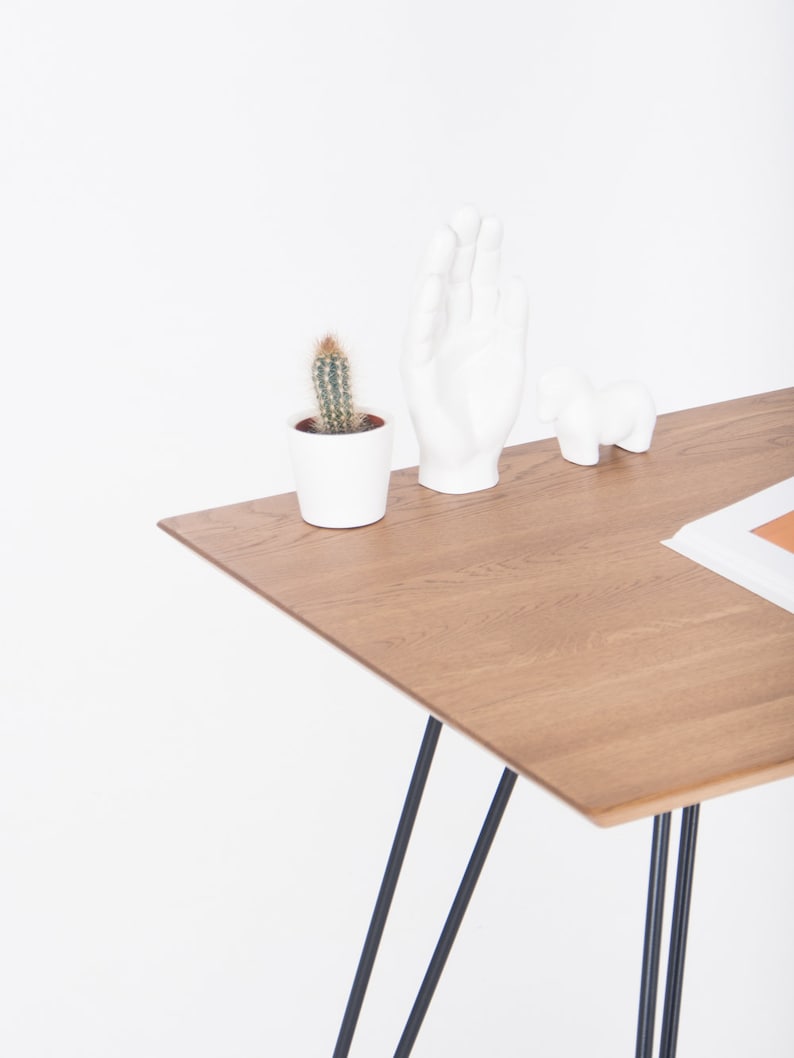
622,414
463,356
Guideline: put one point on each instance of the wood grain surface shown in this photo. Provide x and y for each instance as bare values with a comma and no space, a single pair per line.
544,618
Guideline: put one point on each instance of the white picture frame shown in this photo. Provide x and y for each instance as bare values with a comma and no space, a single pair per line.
725,543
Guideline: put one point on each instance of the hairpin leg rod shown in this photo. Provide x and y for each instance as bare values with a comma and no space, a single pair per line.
653,935
387,888
678,931
458,910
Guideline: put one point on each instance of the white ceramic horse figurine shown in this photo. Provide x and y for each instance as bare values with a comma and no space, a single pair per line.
621,414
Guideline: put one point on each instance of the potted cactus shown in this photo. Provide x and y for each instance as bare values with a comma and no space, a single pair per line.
340,452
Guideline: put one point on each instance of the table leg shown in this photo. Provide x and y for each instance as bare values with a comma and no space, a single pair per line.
653,935
387,887
458,910
678,933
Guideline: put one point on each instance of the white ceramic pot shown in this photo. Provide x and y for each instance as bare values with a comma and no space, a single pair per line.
342,480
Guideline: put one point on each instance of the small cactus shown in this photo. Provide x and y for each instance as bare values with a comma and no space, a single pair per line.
331,378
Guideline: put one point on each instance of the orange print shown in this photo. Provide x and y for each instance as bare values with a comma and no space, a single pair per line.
779,531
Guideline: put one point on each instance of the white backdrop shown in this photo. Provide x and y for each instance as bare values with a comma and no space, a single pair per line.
196,797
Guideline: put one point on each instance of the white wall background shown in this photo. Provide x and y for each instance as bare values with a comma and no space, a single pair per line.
197,798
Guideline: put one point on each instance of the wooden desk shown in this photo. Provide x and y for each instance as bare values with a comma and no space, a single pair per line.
544,618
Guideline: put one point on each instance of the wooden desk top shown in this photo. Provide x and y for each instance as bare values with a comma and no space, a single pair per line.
544,618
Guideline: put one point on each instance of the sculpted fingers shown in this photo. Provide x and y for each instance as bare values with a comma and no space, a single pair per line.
423,322
466,226
427,309
439,254
485,270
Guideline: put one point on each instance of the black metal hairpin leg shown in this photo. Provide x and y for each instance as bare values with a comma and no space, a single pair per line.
653,935
678,933
387,888
458,910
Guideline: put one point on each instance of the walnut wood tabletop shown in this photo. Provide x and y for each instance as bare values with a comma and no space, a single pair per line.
544,618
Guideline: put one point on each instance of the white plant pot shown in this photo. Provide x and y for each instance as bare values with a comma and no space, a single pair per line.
342,480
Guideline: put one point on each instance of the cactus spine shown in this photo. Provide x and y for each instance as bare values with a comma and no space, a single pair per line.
331,378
